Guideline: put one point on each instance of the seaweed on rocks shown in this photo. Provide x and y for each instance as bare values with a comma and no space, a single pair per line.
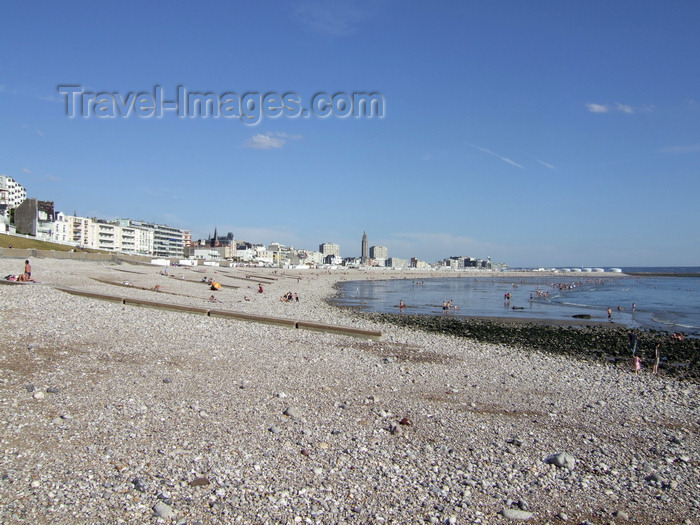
679,359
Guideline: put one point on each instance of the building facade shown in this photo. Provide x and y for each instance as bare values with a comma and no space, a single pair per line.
379,252
168,242
36,218
329,248
12,194
365,249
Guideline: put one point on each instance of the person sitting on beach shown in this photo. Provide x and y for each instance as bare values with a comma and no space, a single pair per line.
215,286
156,288
213,299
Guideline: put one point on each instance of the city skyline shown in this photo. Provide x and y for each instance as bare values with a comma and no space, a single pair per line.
541,134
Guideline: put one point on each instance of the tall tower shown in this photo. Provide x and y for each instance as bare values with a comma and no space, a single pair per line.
365,249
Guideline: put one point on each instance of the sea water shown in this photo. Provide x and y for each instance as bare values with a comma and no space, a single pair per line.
669,303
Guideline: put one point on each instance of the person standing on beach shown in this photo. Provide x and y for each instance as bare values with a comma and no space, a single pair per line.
633,341
656,359
636,364
27,270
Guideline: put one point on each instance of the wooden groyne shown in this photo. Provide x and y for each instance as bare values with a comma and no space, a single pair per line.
228,314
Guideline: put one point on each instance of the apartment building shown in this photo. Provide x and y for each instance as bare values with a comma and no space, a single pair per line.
12,194
329,248
168,242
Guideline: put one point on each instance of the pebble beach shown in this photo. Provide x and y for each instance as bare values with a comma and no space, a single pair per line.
113,413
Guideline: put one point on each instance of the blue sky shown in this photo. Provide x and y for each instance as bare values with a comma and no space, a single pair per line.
535,133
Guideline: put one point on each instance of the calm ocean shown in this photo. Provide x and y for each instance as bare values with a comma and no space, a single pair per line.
669,303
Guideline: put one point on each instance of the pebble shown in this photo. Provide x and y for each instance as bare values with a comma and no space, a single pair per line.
515,514
562,460
471,419
163,510
293,412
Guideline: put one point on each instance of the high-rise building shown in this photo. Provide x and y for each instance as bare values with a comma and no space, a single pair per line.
12,193
329,248
379,252
365,248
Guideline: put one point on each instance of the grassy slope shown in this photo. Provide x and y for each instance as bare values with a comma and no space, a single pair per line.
32,244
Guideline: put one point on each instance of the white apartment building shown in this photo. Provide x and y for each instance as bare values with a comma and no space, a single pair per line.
106,236
62,229
378,252
12,194
329,248
395,262
82,233
168,242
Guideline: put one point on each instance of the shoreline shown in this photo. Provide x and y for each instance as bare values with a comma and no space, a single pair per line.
112,412
577,320
601,342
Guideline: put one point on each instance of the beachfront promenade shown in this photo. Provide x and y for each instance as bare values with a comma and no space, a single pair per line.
112,411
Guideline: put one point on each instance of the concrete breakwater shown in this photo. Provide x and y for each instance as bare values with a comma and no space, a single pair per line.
610,343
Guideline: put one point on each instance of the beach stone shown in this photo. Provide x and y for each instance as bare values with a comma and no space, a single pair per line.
274,429
199,482
139,484
562,460
293,412
515,514
39,395
163,510
53,390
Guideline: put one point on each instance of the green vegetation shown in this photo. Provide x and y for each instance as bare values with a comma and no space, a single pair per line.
23,243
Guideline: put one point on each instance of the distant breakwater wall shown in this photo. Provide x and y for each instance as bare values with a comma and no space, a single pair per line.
679,359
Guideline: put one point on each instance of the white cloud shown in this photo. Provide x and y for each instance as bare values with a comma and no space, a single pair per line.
618,107
624,108
504,159
26,170
597,108
546,164
270,140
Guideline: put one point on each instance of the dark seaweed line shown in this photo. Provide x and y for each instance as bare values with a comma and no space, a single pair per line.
679,359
